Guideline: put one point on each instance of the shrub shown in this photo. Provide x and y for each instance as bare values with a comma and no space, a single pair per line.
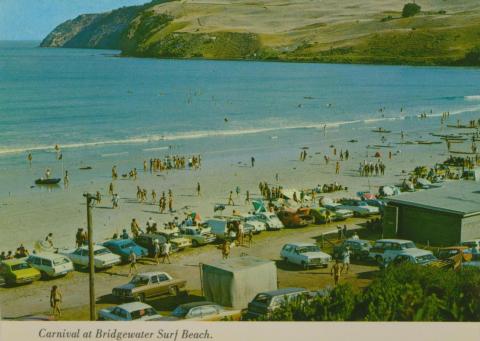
410,9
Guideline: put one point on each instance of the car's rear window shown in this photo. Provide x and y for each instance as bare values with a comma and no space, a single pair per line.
262,298
100,252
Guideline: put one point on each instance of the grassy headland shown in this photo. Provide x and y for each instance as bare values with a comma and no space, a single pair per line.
362,31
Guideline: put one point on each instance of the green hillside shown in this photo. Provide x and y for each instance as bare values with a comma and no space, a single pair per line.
369,31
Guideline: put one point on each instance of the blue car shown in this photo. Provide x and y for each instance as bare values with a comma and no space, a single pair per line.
122,247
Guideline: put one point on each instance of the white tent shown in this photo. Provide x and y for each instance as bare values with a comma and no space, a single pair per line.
234,282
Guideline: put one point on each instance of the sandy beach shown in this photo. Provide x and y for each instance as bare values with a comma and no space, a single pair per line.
28,217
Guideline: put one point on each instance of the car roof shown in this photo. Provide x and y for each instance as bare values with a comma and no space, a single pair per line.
394,241
47,255
283,291
152,235
196,304
416,252
153,273
301,244
357,240
13,261
119,241
95,247
133,306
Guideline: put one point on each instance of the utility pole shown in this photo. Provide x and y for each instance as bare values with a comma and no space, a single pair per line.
91,262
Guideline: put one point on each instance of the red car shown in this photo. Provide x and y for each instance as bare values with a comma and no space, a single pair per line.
295,218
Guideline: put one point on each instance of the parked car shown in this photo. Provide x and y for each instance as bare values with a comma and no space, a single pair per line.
385,250
149,284
50,264
305,255
251,222
415,256
134,311
103,258
271,220
17,271
359,248
265,303
295,218
360,208
201,311
173,236
123,247
340,213
146,240
198,235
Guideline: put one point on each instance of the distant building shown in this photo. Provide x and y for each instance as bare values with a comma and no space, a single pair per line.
439,216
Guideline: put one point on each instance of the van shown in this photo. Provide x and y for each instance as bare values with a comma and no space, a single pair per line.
265,303
50,264
220,228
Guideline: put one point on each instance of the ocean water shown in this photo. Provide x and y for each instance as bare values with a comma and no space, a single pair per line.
97,106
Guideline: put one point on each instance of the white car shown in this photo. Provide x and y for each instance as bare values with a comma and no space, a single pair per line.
385,250
360,208
103,258
251,222
134,311
50,264
413,256
340,213
271,220
305,254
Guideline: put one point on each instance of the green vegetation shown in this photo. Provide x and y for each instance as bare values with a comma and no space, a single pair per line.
410,9
401,293
283,31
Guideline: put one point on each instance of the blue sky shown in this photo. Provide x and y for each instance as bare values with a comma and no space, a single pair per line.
34,19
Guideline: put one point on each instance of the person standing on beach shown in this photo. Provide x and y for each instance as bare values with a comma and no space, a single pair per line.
166,252
247,198
157,251
198,189
337,168
225,249
170,203
135,228
55,300
230,199
144,165
66,180
29,158
115,200
237,190
114,173
335,272
346,260
110,188
154,196
252,160
133,263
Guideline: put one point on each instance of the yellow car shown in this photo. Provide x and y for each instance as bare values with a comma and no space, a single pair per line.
17,271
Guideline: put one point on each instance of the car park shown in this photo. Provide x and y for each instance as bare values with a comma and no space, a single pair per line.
271,220
17,271
103,258
384,250
123,248
267,302
197,235
50,264
201,311
134,311
304,254
146,285
359,248
360,208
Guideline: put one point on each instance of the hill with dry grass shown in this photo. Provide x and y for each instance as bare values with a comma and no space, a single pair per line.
445,32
